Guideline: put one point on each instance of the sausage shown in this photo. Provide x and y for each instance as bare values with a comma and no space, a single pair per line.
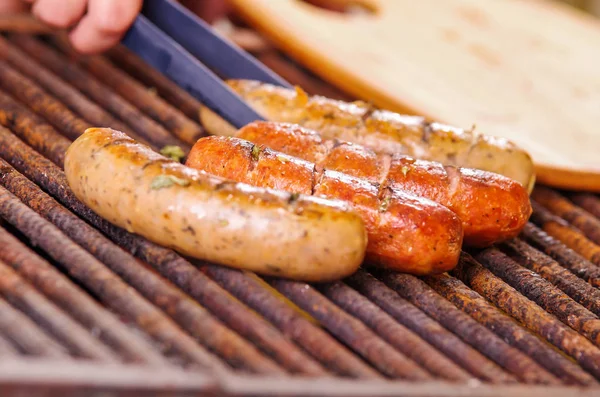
405,233
266,231
381,130
492,207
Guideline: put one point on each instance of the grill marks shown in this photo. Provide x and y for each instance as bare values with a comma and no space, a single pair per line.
409,330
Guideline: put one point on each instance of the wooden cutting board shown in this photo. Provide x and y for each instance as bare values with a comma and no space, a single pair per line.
527,70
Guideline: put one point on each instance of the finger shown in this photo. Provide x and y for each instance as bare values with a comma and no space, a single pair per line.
104,24
59,13
13,6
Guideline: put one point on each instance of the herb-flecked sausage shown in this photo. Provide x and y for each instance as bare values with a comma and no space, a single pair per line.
266,231
492,207
381,130
405,232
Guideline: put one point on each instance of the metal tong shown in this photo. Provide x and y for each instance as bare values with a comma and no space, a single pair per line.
186,49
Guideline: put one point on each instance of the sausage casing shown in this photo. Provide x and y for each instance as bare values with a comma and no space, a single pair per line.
202,216
381,130
492,207
405,232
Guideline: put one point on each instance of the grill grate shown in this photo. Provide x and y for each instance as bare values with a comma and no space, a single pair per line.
74,288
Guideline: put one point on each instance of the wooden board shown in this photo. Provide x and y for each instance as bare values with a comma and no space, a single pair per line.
526,70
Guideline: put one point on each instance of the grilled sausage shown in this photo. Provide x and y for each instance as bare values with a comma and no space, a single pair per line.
380,130
492,207
202,216
405,232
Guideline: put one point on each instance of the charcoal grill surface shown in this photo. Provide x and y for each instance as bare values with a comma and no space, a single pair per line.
85,306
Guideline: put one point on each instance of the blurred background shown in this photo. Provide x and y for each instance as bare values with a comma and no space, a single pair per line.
591,6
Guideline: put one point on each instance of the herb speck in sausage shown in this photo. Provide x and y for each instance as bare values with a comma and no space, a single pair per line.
162,181
173,152
255,152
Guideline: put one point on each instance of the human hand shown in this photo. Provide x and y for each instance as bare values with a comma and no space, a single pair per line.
95,25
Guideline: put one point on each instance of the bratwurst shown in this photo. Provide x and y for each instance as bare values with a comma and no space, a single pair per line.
266,231
381,130
492,207
406,233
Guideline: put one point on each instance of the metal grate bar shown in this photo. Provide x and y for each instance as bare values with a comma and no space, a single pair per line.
24,333
56,323
179,271
297,327
52,110
75,301
134,92
105,284
581,219
568,258
428,300
588,202
150,77
354,333
184,310
569,235
549,269
6,348
33,130
505,297
400,337
430,330
96,91
68,95
481,310
542,292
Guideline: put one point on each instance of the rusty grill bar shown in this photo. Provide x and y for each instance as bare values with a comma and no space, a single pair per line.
75,288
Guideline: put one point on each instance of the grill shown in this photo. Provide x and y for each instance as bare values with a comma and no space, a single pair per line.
85,306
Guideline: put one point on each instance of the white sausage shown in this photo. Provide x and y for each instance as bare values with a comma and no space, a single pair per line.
266,231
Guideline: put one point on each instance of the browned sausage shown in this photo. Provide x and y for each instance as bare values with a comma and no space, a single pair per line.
492,207
203,216
405,232
380,130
